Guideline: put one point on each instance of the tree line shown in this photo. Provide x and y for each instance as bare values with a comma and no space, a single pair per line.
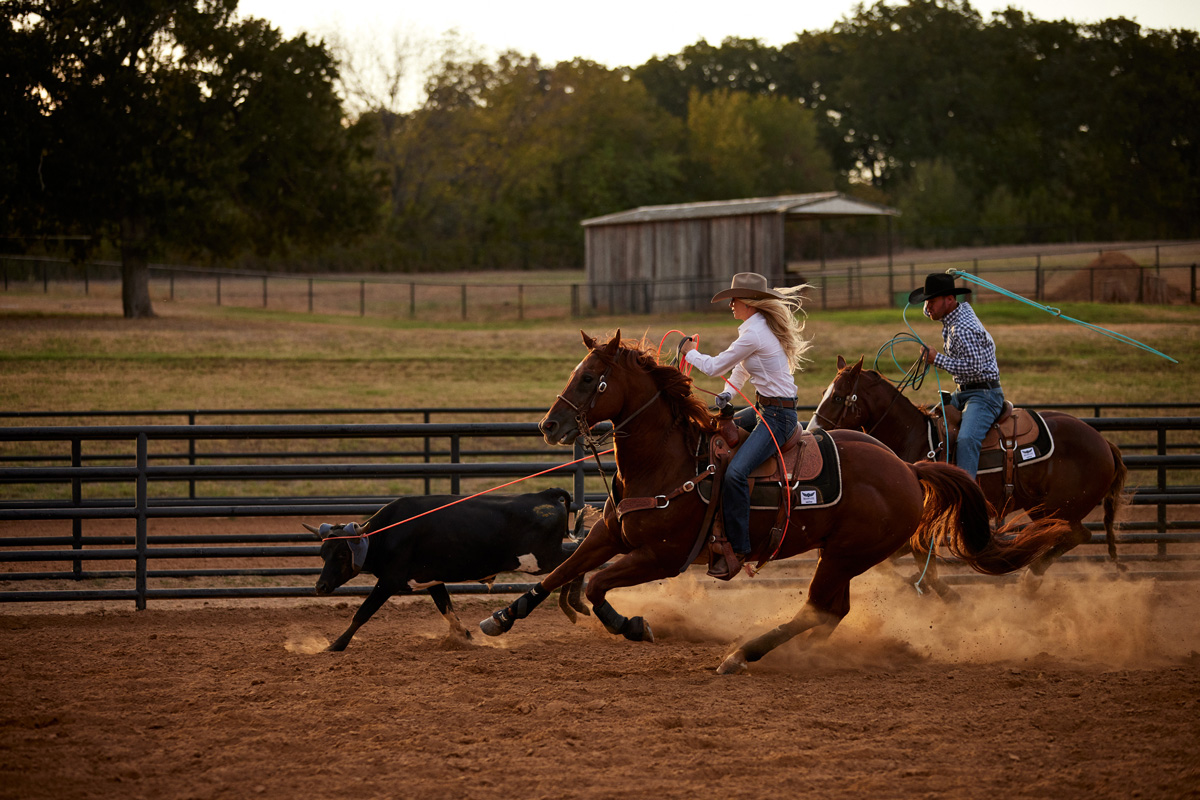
177,129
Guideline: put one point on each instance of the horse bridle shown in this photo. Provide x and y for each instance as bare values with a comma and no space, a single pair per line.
581,421
843,405
593,443
853,403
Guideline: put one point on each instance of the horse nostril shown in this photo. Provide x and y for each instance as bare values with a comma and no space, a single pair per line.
547,426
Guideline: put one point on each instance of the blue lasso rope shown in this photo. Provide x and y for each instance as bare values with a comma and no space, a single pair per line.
914,376
1120,337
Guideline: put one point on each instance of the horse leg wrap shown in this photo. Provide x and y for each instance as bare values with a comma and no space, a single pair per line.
613,622
503,620
635,629
527,602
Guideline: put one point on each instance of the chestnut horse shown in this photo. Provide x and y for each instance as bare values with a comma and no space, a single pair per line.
1084,470
659,428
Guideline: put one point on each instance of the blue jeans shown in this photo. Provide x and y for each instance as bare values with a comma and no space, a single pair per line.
758,447
979,408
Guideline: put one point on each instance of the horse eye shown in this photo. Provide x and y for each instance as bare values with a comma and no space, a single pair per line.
587,378
837,398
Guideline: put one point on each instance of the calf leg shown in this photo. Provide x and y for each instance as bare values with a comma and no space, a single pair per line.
375,599
441,598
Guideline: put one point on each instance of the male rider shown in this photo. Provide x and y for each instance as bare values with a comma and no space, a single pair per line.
970,358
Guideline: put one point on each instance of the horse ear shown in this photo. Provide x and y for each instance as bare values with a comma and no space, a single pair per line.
841,362
588,341
613,345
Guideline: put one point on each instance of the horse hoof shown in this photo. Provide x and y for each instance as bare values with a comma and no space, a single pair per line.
734,664
494,625
638,630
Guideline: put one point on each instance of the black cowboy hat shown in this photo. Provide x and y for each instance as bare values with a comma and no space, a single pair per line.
747,286
937,284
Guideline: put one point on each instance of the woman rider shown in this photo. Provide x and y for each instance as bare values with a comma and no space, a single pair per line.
768,349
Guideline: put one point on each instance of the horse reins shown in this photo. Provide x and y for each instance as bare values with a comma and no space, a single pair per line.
594,443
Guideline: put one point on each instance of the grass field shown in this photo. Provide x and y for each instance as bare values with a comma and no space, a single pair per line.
76,354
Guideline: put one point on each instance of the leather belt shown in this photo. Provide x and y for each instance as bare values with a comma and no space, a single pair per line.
781,402
971,387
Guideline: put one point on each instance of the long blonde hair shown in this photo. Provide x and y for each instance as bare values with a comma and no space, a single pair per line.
781,316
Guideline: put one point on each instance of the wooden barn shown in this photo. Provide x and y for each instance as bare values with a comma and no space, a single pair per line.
675,257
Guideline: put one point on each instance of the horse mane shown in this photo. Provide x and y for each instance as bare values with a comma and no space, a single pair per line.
676,388
924,408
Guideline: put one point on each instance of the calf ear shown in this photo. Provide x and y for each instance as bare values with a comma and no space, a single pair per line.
311,529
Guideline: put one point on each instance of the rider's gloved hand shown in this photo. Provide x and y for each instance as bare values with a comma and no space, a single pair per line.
723,399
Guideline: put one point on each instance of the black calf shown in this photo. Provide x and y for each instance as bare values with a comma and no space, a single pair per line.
473,540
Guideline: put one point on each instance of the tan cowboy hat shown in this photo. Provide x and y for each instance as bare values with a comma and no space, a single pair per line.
748,286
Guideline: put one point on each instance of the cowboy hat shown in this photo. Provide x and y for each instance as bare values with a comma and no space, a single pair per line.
937,284
748,286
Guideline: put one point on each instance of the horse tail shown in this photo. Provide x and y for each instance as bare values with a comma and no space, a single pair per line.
1114,499
956,511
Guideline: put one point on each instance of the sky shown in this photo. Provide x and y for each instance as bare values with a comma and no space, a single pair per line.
629,34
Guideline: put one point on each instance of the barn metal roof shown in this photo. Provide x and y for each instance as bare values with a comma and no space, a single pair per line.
819,204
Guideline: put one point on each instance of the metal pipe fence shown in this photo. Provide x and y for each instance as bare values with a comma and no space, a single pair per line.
1164,273
147,499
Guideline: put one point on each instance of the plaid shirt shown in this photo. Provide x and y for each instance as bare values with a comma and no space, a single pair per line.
970,353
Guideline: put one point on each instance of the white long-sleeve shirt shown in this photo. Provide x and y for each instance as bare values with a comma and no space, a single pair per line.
755,354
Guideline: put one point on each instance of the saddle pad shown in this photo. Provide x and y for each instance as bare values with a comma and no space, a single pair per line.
1034,443
818,490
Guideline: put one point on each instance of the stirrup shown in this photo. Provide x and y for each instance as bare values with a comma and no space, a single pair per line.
723,558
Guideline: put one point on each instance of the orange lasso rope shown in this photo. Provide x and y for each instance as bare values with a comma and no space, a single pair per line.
472,497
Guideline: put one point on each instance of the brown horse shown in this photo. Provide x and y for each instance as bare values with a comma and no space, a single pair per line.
1085,469
659,427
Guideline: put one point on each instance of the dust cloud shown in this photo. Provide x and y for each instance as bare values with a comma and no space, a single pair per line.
305,644
1085,618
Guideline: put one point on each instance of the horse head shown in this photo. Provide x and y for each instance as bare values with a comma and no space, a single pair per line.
588,397
840,406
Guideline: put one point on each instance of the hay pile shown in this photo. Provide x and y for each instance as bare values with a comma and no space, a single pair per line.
1113,278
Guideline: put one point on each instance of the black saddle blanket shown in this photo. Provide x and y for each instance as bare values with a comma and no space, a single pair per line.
820,492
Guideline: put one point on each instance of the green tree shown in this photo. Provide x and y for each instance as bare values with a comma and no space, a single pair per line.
745,145
736,65
172,125
505,159
938,201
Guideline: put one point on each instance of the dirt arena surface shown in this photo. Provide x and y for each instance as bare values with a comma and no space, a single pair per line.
1091,688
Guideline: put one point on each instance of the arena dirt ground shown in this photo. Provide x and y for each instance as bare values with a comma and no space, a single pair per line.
1088,689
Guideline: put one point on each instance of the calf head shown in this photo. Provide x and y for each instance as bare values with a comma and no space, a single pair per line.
344,551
